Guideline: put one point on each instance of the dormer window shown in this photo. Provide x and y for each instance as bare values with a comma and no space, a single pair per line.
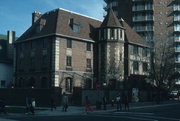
40,26
76,28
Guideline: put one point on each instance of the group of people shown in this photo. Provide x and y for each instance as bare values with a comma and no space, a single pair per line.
30,105
122,99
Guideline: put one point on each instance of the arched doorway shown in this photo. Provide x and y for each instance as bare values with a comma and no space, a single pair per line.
68,84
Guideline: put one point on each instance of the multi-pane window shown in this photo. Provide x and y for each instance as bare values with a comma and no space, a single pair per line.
88,47
112,33
76,28
144,52
69,43
45,43
33,45
68,61
145,67
44,59
135,66
135,50
88,63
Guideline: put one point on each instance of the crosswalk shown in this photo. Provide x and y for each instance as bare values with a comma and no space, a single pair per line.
136,116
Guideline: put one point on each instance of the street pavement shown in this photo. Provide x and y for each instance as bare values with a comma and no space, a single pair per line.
167,111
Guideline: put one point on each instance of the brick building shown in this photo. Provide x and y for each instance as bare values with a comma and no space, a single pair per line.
66,49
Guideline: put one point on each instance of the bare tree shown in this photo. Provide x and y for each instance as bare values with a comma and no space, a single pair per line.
163,62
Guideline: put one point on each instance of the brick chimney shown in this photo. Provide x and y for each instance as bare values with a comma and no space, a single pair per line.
35,16
11,39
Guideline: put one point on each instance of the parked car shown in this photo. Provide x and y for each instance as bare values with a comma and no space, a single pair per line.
174,95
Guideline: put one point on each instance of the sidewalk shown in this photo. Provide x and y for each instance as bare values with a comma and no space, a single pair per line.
74,110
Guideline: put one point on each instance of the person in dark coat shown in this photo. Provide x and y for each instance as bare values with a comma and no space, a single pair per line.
126,102
2,107
118,102
104,102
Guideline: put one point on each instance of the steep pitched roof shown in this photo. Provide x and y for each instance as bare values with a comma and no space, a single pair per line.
111,20
57,22
132,36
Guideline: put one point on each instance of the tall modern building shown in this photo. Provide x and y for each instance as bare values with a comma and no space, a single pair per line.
6,58
157,21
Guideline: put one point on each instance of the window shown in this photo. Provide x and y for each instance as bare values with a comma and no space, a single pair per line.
44,60
76,28
68,61
135,66
69,43
144,52
88,48
112,33
32,61
135,50
145,67
88,63
33,45
3,83
45,43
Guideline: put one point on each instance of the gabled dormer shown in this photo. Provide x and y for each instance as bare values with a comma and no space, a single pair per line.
111,29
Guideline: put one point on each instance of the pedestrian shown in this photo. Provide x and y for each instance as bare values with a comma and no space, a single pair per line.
2,107
104,102
64,102
126,102
118,102
32,106
28,104
88,105
53,104
112,103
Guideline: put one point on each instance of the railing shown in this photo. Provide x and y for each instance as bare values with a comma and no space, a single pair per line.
143,18
142,8
145,28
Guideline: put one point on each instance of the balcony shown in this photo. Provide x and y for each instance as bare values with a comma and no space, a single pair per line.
176,8
177,39
142,8
177,49
144,28
143,18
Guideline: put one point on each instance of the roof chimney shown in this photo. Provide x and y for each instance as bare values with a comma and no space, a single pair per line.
35,16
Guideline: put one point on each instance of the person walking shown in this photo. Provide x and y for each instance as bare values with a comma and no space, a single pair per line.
32,106
88,105
126,102
118,102
53,104
28,105
64,102
104,102
2,107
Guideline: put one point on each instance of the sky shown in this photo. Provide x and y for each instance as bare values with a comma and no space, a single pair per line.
16,15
